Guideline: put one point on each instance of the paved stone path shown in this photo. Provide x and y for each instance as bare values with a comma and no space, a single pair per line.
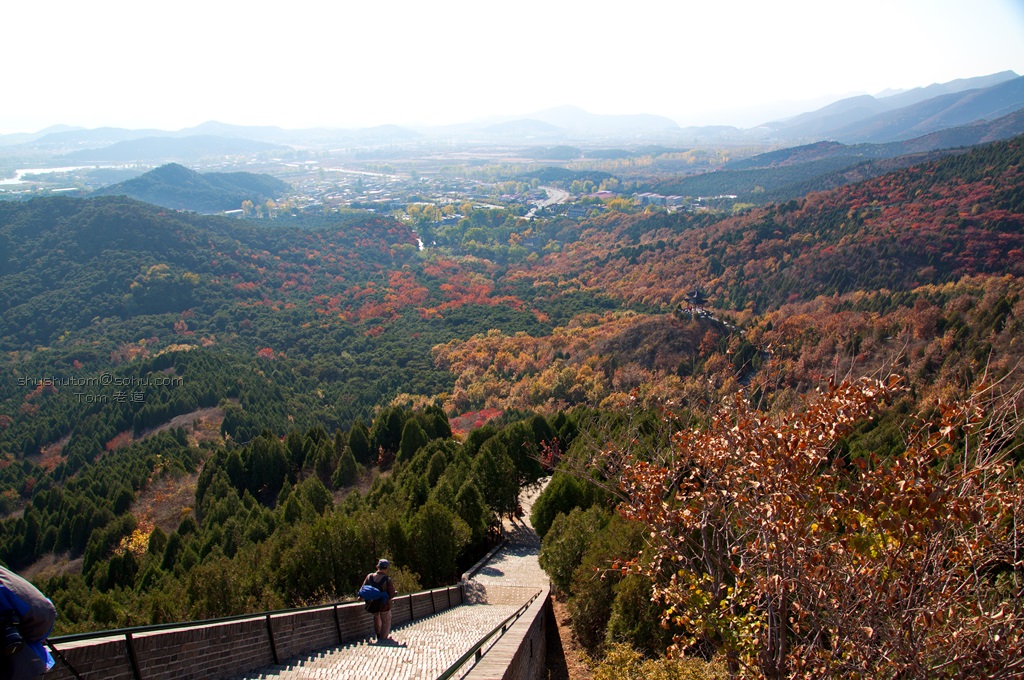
425,648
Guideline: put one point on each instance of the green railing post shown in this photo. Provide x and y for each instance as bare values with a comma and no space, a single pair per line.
133,660
273,647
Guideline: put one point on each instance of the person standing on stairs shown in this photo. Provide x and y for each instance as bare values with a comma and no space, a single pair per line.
381,581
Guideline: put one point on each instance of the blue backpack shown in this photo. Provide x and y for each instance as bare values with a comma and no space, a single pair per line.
370,594
374,597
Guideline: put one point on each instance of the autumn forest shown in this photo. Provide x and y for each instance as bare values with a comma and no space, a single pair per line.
782,440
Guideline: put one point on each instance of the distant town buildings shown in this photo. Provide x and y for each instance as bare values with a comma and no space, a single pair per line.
648,198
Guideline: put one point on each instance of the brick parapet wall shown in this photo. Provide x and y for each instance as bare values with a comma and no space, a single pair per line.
98,658
222,649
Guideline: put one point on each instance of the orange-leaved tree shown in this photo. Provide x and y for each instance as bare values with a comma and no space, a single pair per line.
767,544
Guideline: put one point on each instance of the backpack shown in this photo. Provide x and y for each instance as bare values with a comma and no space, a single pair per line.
373,596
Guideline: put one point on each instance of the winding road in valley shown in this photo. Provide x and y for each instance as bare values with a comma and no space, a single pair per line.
555,196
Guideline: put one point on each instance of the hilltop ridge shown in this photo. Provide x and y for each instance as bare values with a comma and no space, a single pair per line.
175,186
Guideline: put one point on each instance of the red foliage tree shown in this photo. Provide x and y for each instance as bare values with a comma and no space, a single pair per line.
795,562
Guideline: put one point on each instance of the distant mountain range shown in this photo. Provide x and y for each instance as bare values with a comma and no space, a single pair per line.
908,114
156,149
76,145
965,135
175,186
862,119
793,172
71,139
27,137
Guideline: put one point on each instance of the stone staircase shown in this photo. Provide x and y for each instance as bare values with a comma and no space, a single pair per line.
425,648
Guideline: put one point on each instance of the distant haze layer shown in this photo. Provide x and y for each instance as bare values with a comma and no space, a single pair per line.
306,64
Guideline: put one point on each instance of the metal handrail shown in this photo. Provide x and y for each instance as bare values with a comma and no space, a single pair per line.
138,630
128,634
475,652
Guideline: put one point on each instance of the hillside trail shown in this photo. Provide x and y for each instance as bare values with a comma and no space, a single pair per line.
427,647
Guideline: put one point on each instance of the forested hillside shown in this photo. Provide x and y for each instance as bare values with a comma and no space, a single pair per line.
143,345
175,186
205,416
932,223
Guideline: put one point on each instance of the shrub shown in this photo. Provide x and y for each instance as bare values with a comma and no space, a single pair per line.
563,546
563,493
625,663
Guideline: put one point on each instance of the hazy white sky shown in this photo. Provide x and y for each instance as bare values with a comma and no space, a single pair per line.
305,63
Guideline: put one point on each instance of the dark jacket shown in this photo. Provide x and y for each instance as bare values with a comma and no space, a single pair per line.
382,581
